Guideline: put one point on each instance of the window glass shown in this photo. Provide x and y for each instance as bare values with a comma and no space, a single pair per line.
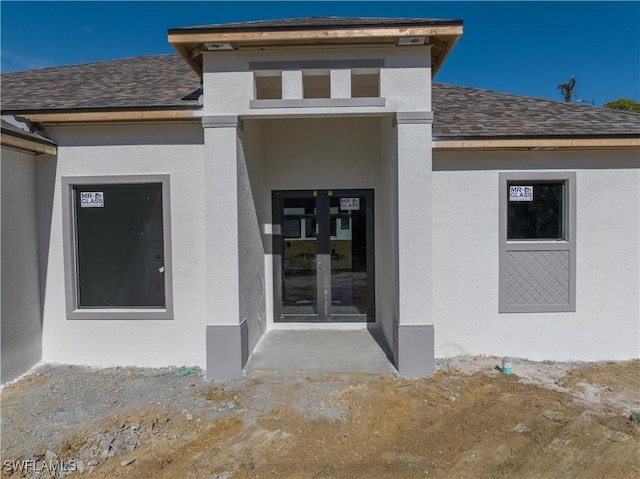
310,227
535,210
292,228
120,245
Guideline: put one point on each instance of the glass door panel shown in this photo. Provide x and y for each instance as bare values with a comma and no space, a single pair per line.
299,236
323,255
348,246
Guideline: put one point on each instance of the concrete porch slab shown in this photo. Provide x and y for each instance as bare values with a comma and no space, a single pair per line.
321,351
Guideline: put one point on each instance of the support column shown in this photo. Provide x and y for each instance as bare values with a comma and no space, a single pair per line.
226,335
340,83
292,88
413,331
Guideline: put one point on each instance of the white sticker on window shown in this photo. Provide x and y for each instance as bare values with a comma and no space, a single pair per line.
93,199
521,193
350,204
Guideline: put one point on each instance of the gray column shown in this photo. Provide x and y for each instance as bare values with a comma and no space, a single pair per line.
292,87
226,334
340,83
414,333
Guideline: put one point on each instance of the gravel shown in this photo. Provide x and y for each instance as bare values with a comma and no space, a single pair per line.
90,410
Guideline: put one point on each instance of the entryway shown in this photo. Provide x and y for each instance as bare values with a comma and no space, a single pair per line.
323,256
322,350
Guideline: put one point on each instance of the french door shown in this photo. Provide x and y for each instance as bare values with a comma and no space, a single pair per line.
323,255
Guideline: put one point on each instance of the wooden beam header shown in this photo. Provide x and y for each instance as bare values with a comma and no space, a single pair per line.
113,116
302,35
191,43
29,146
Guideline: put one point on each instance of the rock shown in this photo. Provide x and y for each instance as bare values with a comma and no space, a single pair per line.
126,462
117,444
521,428
108,441
49,455
92,463
189,417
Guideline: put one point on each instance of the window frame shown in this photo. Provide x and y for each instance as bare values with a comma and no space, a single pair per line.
69,218
567,243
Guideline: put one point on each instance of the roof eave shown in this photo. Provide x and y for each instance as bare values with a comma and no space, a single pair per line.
189,43
112,115
26,142
538,143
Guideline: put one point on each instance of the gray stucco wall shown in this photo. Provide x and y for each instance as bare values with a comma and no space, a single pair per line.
129,150
387,250
466,239
20,283
250,242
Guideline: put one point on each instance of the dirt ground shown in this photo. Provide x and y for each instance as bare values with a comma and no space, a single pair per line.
546,420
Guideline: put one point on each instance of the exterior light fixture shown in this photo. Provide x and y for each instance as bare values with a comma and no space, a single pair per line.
404,41
218,46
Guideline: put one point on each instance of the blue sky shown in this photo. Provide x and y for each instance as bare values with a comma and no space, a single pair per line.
526,48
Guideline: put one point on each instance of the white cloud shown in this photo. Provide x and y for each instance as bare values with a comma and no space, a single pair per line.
11,62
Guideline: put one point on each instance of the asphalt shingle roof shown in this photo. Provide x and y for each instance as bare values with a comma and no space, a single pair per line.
472,112
152,82
309,23
167,82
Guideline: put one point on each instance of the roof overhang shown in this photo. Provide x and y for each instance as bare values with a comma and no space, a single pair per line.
111,116
26,142
191,43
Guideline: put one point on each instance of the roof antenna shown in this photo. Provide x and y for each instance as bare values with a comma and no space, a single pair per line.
567,89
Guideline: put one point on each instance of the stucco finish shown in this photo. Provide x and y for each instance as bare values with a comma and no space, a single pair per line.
414,214
336,143
405,80
606,322
133,150
20,283
386,237
252,209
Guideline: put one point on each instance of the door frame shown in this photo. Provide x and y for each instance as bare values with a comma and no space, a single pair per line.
323,247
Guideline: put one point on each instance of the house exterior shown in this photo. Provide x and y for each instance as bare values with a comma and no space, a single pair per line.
309,174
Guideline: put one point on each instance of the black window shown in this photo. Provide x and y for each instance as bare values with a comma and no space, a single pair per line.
535,210
310,227
292,227
119,245
333,226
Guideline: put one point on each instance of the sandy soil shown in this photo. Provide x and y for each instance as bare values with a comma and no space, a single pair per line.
546,420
